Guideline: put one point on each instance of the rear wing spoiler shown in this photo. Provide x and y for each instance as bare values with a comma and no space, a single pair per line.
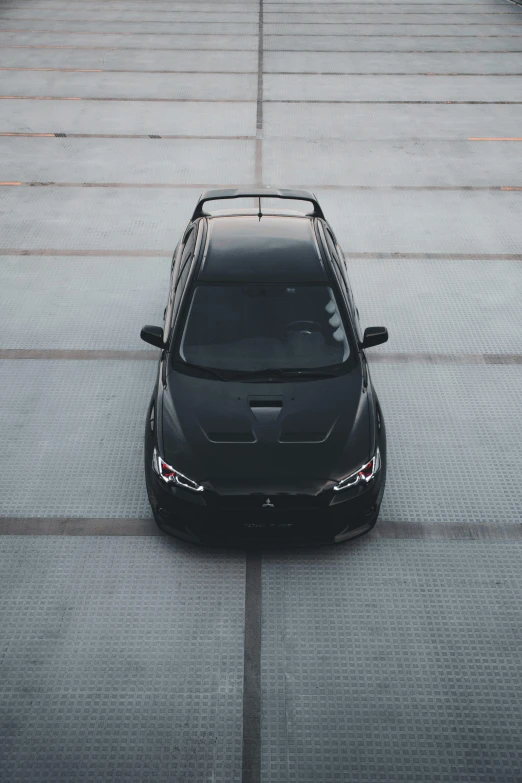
226,193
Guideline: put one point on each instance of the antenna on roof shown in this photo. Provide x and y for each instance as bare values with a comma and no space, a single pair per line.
259,214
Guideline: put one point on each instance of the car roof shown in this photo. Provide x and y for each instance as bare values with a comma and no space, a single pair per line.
273,248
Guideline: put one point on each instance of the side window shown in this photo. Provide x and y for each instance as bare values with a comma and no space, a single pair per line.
184,268
331,245
337,265
190,243
338,255
177,267
338,248
350,292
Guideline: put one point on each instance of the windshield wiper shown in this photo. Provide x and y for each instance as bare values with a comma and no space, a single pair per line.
277,374
290,372
312,372
209,371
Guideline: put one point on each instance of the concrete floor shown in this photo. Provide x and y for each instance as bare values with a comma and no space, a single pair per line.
395,658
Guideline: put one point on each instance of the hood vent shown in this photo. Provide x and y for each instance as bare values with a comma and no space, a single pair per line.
265,410
231,437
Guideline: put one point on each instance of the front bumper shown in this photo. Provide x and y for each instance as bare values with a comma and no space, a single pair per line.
189,516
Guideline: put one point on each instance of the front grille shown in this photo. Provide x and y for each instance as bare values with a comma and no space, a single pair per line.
260,502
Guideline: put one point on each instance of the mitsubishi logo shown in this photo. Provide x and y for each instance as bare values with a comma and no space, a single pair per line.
268,504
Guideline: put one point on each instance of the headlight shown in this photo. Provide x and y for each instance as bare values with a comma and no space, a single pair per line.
365,473
171,476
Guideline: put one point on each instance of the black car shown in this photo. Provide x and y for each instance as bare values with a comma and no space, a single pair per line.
264,424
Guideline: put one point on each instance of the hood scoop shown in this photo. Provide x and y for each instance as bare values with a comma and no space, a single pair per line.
265,409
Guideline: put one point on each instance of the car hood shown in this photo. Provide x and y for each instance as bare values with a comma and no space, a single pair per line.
237,437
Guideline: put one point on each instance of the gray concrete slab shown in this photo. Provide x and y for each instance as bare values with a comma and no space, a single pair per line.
130,40
420,163
364,221
469,6
341,14
124,27
404,43
466,7
445,433
93,12
453,307
124,661
129,14
377,28
395,661
95,218
132,7
80,303
173,10
434,222
130,59
132,117
407,121
180,86
387,62
297,87
179,161
81,425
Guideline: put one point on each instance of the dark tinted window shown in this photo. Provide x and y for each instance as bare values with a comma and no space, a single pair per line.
253,327
187,250
184,267
342,274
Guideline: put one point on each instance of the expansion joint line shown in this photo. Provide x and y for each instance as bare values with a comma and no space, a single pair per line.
251,750
259,112
251,758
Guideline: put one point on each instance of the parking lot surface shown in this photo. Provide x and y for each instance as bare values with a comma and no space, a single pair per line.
126,655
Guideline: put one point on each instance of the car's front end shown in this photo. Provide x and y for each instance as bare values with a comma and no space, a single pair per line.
266,520
266,512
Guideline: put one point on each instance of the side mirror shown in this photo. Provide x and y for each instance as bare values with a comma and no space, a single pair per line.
153,335
374,335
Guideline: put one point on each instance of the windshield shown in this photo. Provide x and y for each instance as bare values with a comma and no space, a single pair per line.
248,328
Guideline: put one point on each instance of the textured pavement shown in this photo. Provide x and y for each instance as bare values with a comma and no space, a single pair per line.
395,658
